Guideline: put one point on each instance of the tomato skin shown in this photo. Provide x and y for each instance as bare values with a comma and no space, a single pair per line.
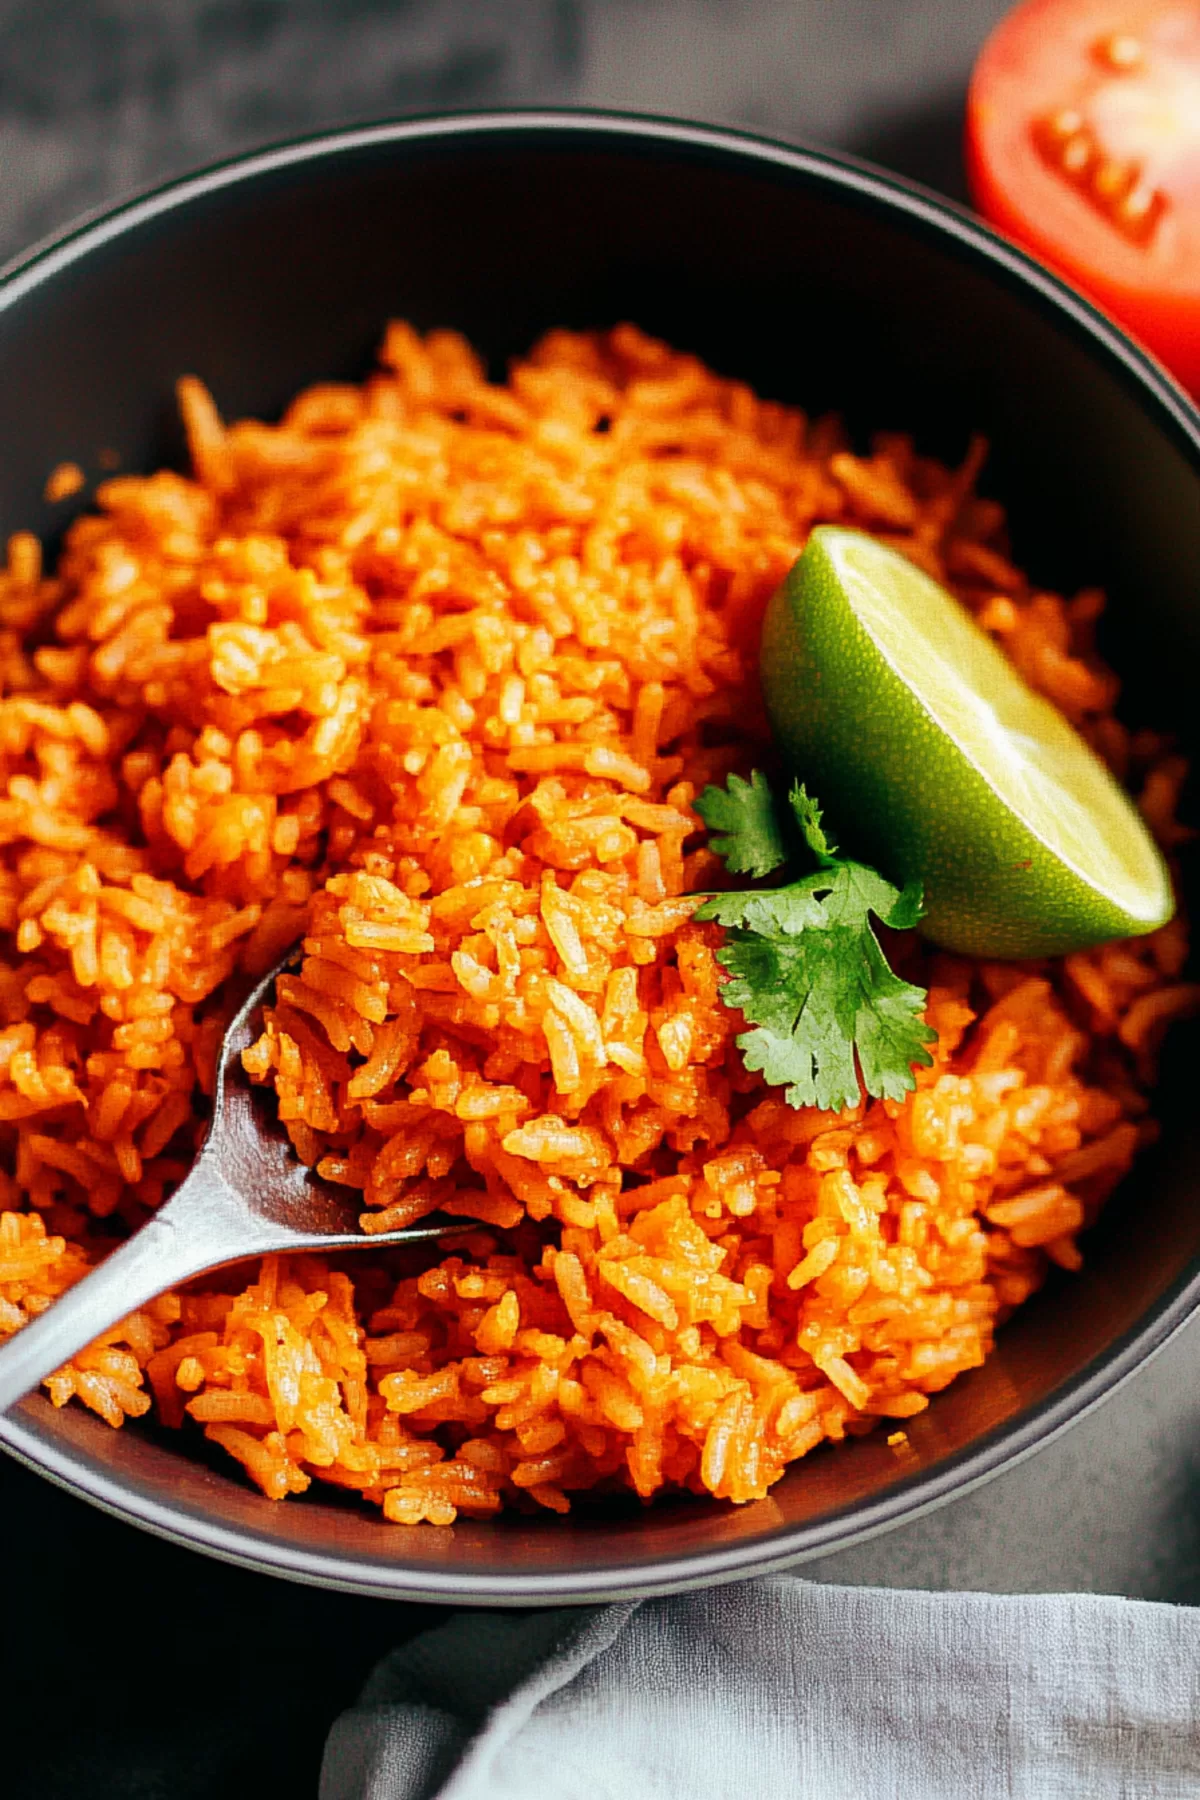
1029,66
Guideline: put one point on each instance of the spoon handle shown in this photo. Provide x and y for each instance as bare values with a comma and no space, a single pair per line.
193,1231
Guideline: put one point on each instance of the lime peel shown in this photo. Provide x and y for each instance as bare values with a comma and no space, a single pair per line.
885,692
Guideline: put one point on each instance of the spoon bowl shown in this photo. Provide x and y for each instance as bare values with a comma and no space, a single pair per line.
247,1194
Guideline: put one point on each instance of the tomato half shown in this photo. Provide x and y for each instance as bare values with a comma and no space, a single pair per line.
1083,144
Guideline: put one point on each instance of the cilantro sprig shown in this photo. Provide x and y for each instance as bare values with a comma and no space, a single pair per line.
807,971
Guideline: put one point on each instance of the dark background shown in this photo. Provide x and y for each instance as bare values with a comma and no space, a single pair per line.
130,1668
101,97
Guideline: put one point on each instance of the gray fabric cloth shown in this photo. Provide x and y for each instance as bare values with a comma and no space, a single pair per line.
786,1687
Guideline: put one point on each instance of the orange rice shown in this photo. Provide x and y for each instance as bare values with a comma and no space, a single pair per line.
430,675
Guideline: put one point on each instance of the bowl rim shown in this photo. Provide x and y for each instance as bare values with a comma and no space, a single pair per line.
960,233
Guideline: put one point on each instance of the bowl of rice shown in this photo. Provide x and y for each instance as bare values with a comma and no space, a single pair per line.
390,520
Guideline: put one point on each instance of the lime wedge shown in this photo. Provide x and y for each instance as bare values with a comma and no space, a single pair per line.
933,755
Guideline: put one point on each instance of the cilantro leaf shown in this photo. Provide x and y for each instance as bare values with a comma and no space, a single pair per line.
808,974
808,817
744,812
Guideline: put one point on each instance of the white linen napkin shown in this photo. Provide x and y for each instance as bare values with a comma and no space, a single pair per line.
786,1687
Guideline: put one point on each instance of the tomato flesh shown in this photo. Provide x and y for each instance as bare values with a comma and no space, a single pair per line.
1083,144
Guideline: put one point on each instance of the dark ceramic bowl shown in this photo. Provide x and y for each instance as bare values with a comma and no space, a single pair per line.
819,282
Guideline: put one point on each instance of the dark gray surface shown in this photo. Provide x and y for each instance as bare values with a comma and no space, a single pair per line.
133,1668
101,97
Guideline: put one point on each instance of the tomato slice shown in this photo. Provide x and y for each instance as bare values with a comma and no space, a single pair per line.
1083,144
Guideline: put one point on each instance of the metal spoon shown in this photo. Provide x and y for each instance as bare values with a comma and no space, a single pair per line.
247,1195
